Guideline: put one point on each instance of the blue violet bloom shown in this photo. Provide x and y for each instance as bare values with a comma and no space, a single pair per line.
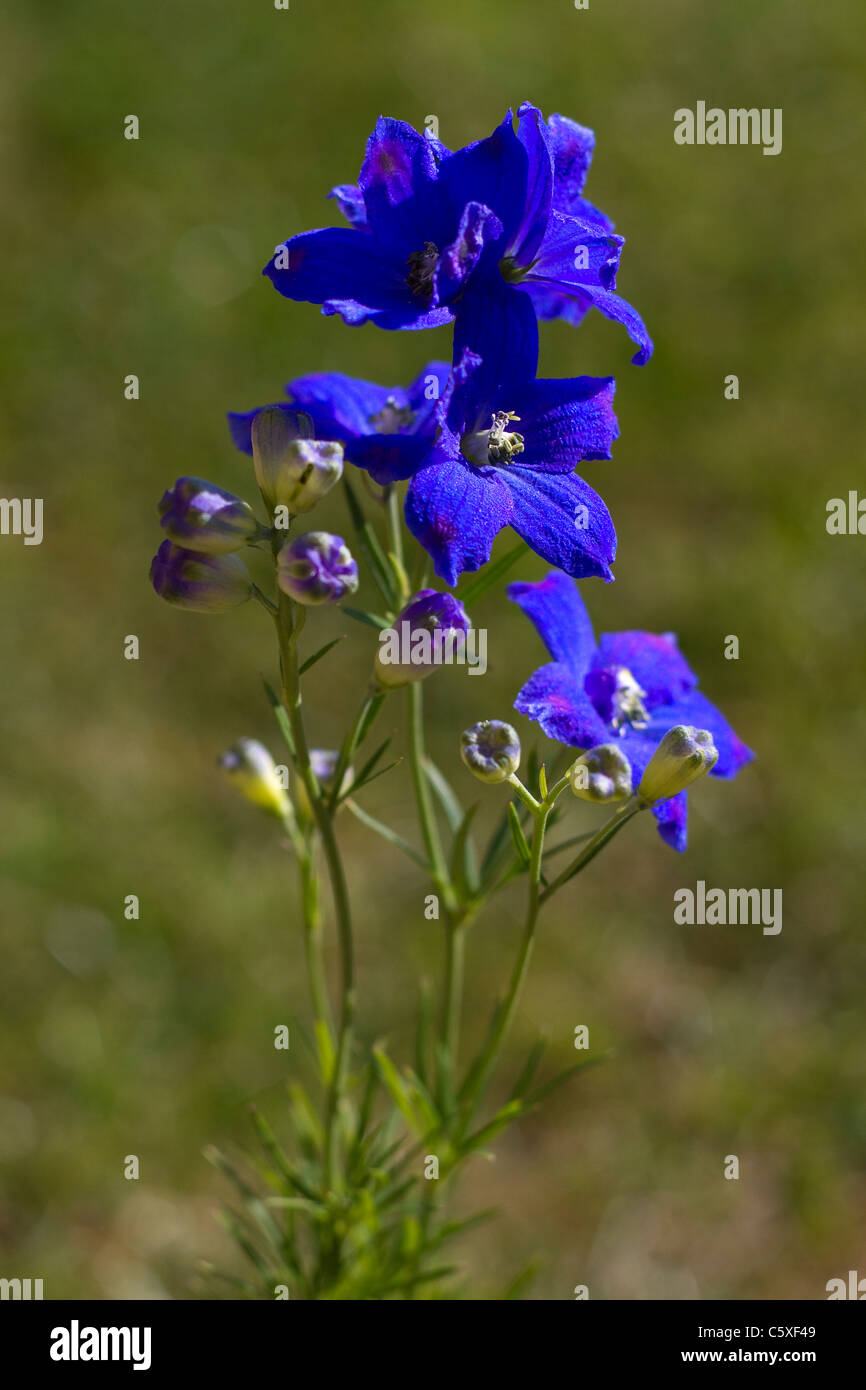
631,687
426,223
388,430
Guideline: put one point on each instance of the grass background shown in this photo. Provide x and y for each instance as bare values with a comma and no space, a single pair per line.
148,1037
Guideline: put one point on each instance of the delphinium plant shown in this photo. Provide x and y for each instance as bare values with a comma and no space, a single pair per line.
349,1202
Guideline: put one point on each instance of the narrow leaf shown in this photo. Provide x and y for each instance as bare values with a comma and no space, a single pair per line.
385,831
472,591
447,799
517,834
317,656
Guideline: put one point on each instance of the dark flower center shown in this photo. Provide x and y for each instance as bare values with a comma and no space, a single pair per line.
392,418
422,265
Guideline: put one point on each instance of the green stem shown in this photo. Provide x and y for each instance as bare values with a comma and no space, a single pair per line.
363,722
485,1062
289,622
598,842
455,942
426,813
313,943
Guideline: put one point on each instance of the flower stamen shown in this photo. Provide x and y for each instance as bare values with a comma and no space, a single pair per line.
422,267
628,706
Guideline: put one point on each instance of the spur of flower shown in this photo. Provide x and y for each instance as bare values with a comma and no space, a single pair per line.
386,430
427,222
629,688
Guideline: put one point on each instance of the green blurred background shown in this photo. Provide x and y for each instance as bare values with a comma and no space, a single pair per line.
149,1036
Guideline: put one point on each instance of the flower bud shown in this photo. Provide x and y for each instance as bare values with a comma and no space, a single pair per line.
203,517
291,471
601,774
425,634
249,765
317,568
490,750
204,583
683,755
324,761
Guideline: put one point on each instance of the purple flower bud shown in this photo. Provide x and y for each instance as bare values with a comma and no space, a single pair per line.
291,471
204,583
491,750
425,634
200,516
317,568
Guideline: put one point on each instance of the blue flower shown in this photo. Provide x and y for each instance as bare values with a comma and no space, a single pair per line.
426,222
630,686
506,452
387,430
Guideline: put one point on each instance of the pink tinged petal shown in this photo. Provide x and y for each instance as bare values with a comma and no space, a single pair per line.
554,697
557,611
456,513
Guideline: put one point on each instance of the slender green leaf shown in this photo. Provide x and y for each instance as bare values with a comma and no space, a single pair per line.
370,545
398,1090
559,1080
368,767
464,862
529,1069
446,796
517,834
317,656
386,832
374,620
281,716
473,589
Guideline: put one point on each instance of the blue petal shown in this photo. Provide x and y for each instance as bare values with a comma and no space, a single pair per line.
613,307
655,662
478,227
695,709
554,698
424,393
563,520
555,274
672,816
558,612
399,179
455,512
563,421
572,147
346,267
511,174
350,201
389,458
240,424
346,401
568,242
495,322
